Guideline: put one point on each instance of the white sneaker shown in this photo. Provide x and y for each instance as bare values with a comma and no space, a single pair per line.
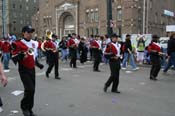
137,68
123,68
1,110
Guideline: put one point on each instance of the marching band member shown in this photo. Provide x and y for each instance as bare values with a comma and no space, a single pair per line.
155,54
112,52
52,55
73,46
96,46
24,53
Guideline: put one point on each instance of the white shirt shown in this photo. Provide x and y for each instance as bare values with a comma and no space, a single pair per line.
32,45
117,46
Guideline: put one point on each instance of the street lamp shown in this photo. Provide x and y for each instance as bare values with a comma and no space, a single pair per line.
109,17
3,18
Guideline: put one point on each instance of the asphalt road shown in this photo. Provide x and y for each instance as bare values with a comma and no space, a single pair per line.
80,93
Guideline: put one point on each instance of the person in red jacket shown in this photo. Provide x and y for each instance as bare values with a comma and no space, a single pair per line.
96,46
51,48
73,46
112,51
24,52
6,53
154,50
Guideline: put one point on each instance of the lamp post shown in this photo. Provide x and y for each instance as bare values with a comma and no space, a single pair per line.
3,18
109,17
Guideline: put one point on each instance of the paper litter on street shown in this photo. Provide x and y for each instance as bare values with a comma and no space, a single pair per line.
17,92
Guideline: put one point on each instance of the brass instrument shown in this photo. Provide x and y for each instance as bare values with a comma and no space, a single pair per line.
49,34
30,51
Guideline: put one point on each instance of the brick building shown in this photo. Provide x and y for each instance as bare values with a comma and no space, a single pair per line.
87,17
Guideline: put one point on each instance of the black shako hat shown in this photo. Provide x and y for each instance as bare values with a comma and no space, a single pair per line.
54,36
114,36
28,29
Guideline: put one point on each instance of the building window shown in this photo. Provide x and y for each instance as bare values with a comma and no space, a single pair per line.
27,0
27,15
20,6
21,22
96,31
150,4
88,16
119,15
92,17
14,5
156,17
34,1
14,14
20,14
27,8
14,28
96,16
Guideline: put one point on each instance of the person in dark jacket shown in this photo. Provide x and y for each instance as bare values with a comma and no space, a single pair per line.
82,50
128,54
63,46
171,53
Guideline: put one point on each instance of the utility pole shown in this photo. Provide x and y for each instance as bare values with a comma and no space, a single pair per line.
3,18
109,17
144,12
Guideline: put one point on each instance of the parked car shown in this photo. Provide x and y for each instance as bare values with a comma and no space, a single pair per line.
164,42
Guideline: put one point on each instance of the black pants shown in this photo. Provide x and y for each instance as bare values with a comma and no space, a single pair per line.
28,79
155,70
73,57
51,65
97,59
114,77
0,102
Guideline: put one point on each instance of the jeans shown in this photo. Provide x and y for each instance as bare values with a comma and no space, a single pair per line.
64,54
163,60
6,58
171,62
131,58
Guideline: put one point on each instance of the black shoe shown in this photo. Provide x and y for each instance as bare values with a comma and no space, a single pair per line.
57,77
32,114
26,113
97,71
118,92
70,65
47,75
105,88
74,66
154,79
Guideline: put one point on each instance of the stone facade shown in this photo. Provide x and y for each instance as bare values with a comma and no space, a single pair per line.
87,17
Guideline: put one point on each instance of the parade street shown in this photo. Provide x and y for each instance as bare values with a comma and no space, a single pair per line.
80,93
